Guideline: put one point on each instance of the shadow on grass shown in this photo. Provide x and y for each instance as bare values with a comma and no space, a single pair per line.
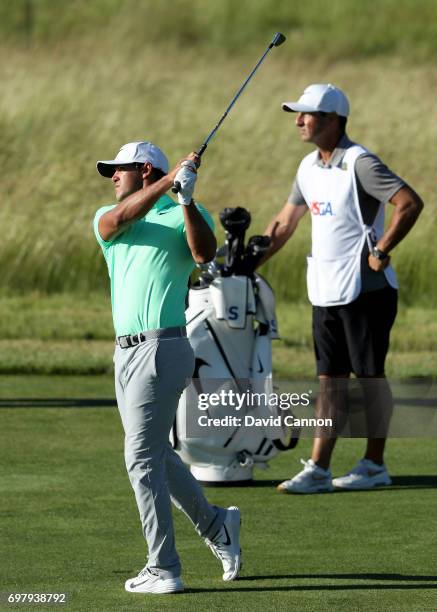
399,482
322,587
396,582
402,482
355,576
414,482
57,403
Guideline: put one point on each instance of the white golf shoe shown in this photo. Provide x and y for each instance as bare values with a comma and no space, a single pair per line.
365,475
312,479
150,581
226,544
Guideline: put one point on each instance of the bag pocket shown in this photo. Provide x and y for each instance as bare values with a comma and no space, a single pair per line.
333,281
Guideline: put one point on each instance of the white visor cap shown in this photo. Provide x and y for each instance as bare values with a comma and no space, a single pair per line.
322,97
134,152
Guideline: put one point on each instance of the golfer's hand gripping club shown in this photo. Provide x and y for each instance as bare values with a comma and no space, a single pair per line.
278,39
177,184
186,179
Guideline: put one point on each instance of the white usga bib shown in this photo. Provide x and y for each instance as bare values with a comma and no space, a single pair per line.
338,230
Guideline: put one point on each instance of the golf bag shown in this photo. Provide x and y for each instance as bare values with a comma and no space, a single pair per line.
231,322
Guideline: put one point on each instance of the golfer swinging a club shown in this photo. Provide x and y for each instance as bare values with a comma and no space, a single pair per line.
150,245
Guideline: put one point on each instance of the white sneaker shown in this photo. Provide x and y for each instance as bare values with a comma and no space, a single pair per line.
365,475
312,479
149,581
226,544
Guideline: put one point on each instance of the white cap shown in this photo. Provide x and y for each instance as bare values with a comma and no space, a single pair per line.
134,152
320,98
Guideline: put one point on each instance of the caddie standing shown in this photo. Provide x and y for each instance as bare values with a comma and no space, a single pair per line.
351,284
150,244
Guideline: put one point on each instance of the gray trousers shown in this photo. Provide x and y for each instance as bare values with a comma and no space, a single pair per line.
149,379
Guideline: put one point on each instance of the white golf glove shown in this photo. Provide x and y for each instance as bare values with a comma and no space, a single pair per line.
187,178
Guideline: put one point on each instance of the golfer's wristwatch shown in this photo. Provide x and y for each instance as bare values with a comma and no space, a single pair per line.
190,202
378,254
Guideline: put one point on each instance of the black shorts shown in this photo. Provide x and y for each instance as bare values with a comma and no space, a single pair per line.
355,337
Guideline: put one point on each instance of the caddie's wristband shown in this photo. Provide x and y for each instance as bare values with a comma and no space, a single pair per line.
378,254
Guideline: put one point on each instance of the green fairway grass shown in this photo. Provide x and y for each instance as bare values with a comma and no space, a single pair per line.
69,523
40,386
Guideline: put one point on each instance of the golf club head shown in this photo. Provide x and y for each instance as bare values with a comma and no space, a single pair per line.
278,39
258,244
255,250
235,221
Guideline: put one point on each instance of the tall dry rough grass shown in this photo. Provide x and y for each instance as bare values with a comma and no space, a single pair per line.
74,93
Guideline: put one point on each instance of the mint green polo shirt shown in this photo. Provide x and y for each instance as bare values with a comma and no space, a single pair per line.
149,266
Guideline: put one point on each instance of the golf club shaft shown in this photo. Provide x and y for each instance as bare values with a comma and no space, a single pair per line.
278,39
234,99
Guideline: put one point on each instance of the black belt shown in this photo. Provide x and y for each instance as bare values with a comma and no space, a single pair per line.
151,334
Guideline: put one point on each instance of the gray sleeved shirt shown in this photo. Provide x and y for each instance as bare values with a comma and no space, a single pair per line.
376,183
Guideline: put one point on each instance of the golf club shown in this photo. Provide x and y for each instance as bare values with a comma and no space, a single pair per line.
278,39
235,222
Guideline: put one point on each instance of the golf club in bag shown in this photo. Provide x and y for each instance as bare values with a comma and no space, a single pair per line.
231,322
